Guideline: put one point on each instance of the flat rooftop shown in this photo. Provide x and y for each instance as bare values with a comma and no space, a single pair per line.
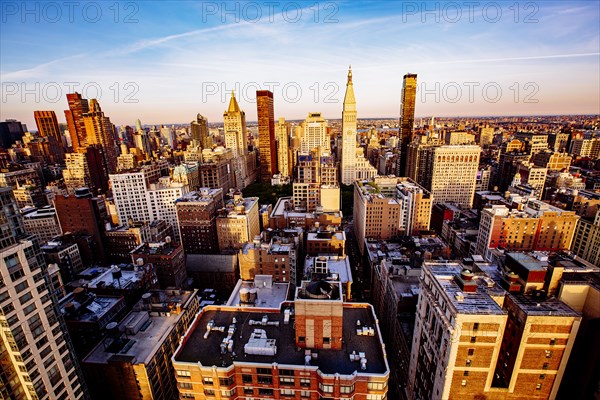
335,265
88,308
196,349
140,345
326,236
268,293
103,277
211,262
159,248
478,302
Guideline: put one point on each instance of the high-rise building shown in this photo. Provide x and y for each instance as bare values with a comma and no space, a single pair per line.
275,256
389,207
282,135
78,106
482,332
236,139
486,135
200,135
100,131
77,173
168,261
36,354
238,222
316,184
348,151
266,135
11,131
42,222
313,134
451,173
539,226
319,351
353,164
147,194
197,220
47,125
586,243
407,119
216,169
80,213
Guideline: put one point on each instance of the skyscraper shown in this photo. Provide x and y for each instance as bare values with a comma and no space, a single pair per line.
236,139
348,158
47,370
266,135
74,115
407,118
47,125
200,134
100,131
282,133
313,132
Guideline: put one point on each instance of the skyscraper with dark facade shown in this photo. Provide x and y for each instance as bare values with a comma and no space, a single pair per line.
11,131
74,115
407,119
266,134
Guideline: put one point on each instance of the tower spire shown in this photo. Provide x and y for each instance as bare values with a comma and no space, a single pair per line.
349,74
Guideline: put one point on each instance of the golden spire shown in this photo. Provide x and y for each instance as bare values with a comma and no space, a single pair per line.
233,105
349,73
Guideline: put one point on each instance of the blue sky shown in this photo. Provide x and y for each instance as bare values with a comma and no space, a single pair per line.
165,62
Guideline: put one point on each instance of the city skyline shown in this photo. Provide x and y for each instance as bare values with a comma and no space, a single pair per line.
146,76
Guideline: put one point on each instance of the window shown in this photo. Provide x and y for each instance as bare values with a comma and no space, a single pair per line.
305,382
183,373
207,380
264,371
545,366
287,392
326,388
226,381
476,326
464,382
347,389
470,352
265,392
286,380
543,376
304,393
466,373
548,353
247,378
249,391
185,385
376,385
186,396
207,392
265,379
473,339
301,339
468,363
286,372
326,340
228,392
21,286
538,386
552,341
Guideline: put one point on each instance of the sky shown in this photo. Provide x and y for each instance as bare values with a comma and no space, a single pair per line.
165,61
